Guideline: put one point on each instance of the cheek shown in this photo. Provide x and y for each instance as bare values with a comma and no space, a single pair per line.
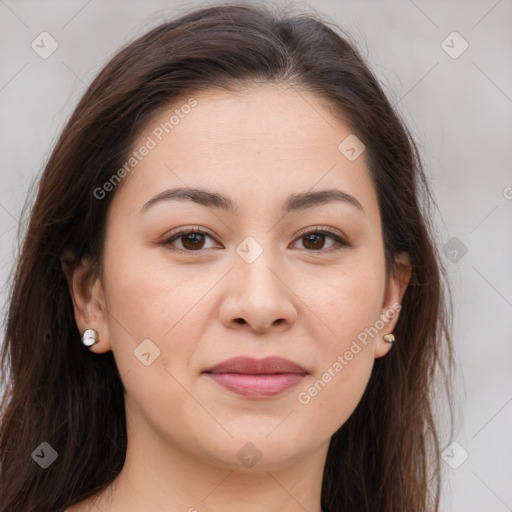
345,361
347,302
332,394
155,325
345,299
150,301
145,294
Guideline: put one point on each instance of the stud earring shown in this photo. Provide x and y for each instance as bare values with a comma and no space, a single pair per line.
90,337
390,338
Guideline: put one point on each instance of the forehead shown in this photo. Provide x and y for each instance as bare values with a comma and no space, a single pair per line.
258,143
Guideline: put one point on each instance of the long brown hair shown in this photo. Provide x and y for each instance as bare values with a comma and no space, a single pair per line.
386,456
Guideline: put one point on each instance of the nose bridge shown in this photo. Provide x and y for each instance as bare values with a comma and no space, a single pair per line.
257,262
259,295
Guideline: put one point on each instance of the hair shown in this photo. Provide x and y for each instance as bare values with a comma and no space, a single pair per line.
385,457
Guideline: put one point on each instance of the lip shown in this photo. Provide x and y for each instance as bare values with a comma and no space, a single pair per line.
257,377
253,366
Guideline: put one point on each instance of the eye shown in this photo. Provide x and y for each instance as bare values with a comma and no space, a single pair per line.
315,238
191,239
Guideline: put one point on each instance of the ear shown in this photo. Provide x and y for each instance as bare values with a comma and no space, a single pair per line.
395,289
88,298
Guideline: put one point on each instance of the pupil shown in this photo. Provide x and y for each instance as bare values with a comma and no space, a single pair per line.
314,238
194,239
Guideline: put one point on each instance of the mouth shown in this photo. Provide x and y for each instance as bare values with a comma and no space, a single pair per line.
257,377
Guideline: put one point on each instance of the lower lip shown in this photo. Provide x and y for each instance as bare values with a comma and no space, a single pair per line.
261,385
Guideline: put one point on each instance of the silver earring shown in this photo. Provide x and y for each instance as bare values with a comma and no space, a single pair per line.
90,337
390,338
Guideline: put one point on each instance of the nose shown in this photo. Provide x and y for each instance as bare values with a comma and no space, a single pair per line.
259,297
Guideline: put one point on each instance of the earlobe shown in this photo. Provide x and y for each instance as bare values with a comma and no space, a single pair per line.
392,304
88,299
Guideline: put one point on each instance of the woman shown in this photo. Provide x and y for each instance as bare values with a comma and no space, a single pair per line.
228,294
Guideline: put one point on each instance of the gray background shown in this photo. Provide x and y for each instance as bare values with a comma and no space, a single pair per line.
459,109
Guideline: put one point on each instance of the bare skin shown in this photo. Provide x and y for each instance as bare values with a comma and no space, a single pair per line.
303,298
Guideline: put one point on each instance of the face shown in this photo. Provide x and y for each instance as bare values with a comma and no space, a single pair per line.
276,269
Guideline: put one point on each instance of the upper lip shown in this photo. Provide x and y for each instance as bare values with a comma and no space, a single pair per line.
252,366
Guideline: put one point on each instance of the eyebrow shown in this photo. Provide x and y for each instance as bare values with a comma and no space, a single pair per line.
294,202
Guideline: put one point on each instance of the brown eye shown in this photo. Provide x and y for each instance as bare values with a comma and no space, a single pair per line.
194,240
191,240
314,240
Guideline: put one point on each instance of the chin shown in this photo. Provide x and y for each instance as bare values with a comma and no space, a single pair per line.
254,451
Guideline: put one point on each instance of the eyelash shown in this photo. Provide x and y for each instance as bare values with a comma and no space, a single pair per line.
342,243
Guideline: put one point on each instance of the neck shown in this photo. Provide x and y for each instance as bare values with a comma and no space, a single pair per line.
162,477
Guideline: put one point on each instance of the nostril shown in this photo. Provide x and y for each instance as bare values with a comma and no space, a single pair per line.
240,320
